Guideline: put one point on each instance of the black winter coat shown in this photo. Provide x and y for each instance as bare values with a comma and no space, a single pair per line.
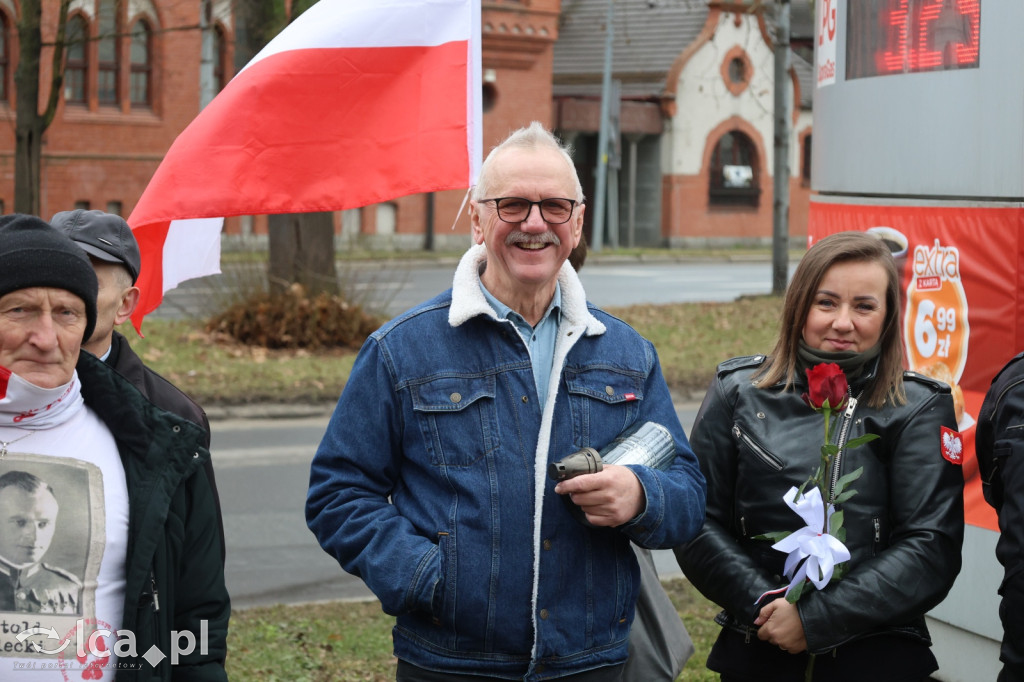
904,526
174,573
166,396
999,444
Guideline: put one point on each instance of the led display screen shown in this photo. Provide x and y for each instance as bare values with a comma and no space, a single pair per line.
887,37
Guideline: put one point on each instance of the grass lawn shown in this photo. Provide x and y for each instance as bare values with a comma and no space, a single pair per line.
691,339
351,641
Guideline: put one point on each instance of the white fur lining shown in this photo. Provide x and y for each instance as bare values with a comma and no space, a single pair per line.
468,301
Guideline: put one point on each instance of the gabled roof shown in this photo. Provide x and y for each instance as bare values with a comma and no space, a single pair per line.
649,35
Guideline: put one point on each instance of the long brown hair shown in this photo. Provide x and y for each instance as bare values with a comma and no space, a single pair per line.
839,248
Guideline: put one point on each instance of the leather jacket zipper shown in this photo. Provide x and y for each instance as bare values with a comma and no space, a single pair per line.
156,594
844,432
760,452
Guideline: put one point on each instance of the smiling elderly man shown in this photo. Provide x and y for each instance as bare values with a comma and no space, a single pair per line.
430,483
146,538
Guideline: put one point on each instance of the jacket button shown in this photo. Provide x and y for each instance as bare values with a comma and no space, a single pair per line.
543,614
547,544
456,397
526,399
609,390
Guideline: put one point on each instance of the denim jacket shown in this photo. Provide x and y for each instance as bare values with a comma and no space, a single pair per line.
431,484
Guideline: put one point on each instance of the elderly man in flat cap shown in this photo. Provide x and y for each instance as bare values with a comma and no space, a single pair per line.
114,254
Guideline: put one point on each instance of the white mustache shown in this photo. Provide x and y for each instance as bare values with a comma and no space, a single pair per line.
519,237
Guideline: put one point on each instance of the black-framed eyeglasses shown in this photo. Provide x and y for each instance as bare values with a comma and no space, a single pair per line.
516,209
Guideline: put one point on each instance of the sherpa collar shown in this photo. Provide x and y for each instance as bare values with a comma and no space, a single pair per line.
468,300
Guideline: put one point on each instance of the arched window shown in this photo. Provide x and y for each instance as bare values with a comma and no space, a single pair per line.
76,62
109,53
141,61
220,65
734,179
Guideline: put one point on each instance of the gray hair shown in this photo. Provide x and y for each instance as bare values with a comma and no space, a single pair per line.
533,136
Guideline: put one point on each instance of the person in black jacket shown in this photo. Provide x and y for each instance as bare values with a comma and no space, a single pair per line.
756,439
114,254
999,444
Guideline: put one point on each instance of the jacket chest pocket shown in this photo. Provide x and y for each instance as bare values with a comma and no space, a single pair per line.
458,418
603,402
747,443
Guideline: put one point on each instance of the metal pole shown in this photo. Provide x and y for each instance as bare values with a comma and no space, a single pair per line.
631,227
601,182
428,241
783,117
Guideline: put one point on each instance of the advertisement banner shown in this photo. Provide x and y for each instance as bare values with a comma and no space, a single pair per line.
962,286
827,14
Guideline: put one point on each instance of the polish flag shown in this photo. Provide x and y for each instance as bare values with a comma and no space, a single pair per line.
356,102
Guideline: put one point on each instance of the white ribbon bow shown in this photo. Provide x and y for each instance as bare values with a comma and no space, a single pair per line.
821,550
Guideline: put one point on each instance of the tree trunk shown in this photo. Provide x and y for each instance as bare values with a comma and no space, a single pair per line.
302,251
30,124
28,128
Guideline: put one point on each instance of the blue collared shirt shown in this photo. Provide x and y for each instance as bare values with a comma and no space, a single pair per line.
540,339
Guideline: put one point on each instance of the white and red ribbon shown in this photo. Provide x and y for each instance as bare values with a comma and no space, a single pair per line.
813,552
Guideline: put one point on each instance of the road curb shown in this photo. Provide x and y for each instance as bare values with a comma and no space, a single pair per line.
268,411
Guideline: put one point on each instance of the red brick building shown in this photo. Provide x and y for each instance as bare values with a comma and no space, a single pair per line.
696,81
134,79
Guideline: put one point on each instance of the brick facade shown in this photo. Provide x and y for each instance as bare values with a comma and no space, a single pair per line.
102,155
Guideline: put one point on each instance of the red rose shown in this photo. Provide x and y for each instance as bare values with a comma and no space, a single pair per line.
827,387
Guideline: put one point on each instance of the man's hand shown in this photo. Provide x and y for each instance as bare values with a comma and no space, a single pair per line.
611,497
779,624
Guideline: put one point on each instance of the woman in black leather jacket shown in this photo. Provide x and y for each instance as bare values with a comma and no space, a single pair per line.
756,437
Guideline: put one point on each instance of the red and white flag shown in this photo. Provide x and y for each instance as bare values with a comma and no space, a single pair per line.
354,103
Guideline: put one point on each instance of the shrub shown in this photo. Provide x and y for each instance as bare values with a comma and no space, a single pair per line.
292,319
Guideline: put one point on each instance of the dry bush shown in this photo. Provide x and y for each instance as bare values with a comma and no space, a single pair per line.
292,319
